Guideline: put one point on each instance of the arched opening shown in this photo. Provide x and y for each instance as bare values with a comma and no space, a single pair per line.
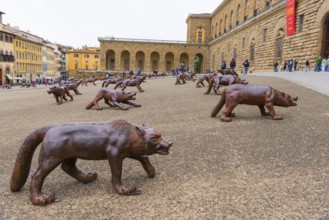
169,59
213,61
140,60
255,8
154,60
279,45
238,12
110,60
245,12
252,50
125,60
216,30
220,27
225,22
231,20
235,53
0,76
7,74
223,56
198,63
325,37
184,59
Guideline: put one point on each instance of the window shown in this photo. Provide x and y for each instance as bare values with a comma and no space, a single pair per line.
1,37
126,64
252,52
76,55
96,56
243,42
86,55
199,37
264,35
6,38
301,23
154,65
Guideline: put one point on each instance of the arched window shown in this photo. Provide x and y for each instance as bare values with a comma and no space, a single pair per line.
231,20
220,27
216,30
246,7
235,53
213,32
279,45
1,37
325,36
238,13
255,8
252,50
225,22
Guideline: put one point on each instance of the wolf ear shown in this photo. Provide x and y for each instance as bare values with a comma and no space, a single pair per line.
145,125
140,131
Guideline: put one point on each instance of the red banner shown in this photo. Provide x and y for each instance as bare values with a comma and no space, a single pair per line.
291,17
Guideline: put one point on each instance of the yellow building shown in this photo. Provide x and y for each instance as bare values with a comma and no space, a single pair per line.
82,61
28,54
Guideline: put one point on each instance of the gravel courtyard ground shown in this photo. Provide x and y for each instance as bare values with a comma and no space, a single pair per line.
251,168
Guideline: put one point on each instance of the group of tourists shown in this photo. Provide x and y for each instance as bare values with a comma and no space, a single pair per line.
321,64
287,66
233,65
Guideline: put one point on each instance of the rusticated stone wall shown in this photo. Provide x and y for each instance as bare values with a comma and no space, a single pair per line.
241,29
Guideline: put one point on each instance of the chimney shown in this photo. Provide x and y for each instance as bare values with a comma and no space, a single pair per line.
1,13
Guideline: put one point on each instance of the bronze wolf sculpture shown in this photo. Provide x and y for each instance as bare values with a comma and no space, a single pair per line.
262,96
65,143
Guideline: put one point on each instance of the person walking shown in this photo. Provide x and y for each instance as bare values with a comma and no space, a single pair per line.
307,65
245,67
328,64
232,64
275,65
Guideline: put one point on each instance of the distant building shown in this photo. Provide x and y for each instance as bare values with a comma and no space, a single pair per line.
7,58
262,31
85,61
28,55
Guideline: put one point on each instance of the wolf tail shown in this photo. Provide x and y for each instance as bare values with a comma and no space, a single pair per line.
24,158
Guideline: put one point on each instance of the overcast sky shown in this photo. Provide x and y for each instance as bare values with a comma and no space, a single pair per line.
80,22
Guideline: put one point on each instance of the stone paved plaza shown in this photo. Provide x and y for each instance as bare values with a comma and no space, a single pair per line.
251,168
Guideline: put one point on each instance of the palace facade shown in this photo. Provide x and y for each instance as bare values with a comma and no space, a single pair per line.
262,31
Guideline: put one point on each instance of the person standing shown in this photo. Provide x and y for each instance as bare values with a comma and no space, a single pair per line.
323,64
245,67
318,64
223,66
139,71
232,64
295,65
307,65
275,65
